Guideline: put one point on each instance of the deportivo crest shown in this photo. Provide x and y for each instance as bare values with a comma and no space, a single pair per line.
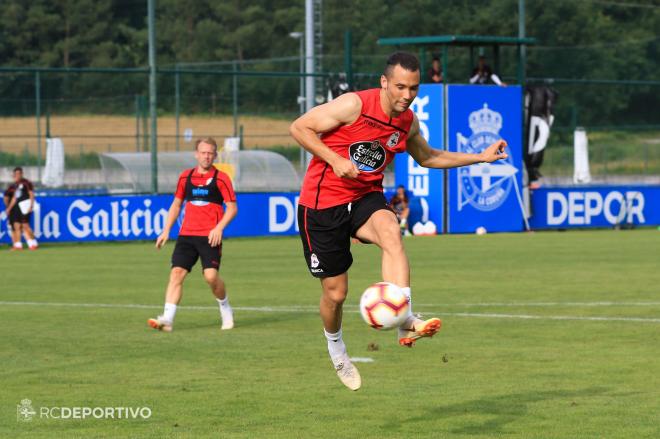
393,140
368,156
314,261
484,186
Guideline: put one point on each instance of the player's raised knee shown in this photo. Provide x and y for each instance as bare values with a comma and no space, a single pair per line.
390,237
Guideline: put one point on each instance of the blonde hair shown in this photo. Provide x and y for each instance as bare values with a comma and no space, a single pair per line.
209,140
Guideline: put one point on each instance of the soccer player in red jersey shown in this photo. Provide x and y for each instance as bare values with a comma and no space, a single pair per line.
204,189
353,138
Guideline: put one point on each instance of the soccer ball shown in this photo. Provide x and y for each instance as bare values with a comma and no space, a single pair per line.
384,306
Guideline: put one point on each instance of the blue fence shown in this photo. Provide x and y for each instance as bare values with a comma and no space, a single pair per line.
597,206
126,218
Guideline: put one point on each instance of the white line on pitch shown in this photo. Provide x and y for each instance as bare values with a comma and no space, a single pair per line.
536,317
347,306
539,304
351,310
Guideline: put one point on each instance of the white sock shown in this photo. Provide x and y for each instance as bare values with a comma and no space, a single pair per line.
18,244
32,243
411,317
406,291
336,346
226,312
223,303
169,312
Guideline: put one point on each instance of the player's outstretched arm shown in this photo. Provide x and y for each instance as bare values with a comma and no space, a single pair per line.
341,111
215,236
428,157
172,215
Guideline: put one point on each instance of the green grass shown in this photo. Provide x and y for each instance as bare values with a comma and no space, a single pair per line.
485,375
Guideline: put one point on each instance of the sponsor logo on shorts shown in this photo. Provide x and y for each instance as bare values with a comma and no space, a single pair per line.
368,156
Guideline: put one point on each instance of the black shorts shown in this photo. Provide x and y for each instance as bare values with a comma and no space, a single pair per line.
16,216
189,248
326,233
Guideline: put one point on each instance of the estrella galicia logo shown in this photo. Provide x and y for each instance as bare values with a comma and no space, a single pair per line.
368,156
484,186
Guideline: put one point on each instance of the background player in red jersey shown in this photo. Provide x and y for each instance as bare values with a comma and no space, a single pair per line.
204,189
353,139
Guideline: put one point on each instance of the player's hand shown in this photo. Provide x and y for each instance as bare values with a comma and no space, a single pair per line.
215,237
344,168
162,239
494,152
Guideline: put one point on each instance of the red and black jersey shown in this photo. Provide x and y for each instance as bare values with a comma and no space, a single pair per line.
370,142
204,195
21,190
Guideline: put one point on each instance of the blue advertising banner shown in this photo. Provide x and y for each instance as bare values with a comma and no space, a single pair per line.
426,184
135,217
595,206
485,194
261,214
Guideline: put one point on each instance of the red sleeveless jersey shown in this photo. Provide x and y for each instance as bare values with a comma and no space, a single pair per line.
370,142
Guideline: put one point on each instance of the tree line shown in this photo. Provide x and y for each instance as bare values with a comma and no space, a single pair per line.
576,39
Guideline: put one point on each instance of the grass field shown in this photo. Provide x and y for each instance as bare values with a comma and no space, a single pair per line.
552,335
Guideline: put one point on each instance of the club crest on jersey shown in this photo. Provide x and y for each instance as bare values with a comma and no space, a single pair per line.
393,140
368,156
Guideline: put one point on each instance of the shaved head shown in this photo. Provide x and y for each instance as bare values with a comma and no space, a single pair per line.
406,60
